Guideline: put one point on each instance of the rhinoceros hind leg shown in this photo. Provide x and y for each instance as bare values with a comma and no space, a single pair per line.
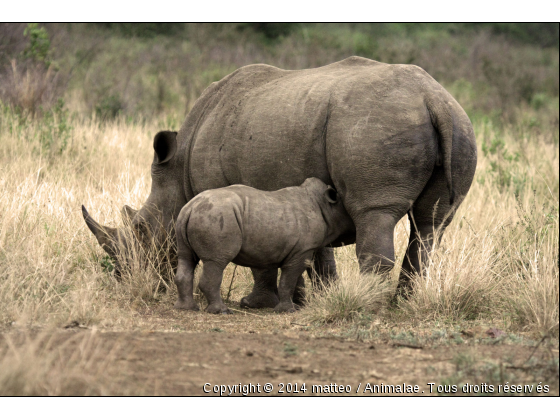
210,282
265,290
184,281
374,242
429,216
186,305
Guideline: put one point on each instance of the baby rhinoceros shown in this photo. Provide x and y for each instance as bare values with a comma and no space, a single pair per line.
258,229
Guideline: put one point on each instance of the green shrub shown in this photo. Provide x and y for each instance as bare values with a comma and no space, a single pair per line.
39,45
109,107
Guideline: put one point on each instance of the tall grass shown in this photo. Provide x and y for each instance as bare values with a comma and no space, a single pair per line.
497,260
532,269
458,279
51,268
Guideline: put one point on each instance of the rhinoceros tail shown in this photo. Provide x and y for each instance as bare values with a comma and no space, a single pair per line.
442,119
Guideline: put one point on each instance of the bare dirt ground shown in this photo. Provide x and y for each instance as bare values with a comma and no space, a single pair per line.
177,353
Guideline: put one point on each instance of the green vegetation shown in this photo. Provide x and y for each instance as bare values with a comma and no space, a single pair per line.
39,45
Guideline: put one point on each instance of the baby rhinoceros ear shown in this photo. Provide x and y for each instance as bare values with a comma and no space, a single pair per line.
165,146
331,195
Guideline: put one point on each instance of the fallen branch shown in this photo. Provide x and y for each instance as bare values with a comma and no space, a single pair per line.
247,313
536,347
231,284
525,367
410,346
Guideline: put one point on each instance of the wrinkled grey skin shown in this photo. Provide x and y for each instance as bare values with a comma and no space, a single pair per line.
389,138
253,228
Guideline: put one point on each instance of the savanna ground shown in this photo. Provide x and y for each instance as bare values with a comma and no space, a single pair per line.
73,132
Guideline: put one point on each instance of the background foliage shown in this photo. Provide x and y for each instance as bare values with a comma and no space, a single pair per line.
148,69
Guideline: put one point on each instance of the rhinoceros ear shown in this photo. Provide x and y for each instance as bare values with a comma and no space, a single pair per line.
331,195
165,146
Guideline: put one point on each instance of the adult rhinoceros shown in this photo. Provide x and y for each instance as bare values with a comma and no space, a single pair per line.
388,137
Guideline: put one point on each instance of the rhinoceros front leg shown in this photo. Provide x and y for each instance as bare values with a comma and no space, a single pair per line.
288,282
265,289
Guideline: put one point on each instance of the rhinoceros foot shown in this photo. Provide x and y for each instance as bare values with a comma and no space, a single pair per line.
219,309
285,307
186,305
259,300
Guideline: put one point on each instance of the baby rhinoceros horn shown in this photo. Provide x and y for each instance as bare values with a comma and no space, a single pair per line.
104,235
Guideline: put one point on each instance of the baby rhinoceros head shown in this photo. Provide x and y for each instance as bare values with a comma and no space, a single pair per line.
332,208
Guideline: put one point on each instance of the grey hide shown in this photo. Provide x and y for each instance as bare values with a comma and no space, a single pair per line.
389,138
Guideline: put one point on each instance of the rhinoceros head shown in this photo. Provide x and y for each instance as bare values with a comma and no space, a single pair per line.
153,224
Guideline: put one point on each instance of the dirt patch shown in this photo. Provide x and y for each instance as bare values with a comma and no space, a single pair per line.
181,363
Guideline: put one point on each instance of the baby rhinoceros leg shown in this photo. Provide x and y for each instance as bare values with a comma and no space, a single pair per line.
291,273
210,282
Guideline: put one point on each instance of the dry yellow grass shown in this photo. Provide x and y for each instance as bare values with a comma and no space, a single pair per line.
499,257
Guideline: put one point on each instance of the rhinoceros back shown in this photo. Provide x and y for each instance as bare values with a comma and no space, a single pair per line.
270,128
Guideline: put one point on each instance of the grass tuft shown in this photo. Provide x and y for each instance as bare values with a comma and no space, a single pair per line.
40,366
347,298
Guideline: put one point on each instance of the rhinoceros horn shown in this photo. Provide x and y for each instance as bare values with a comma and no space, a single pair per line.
128,214
105,235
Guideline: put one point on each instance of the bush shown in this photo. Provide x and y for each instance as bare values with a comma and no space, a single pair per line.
35,84
270,30
143,29
109,108
39,44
